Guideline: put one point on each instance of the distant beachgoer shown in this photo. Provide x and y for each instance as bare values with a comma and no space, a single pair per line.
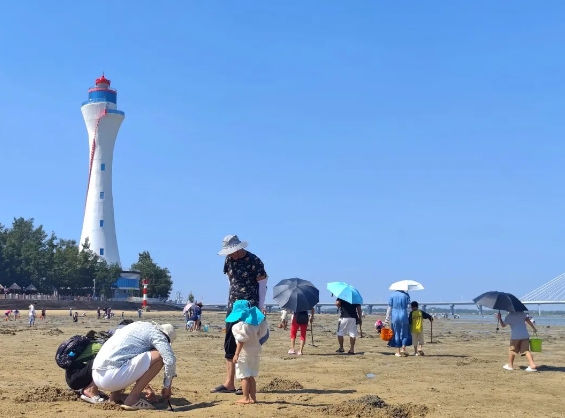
122,314
416,321
198,314
397,317
71,312
43,314
139,313
75,317
349,318
7,315
98,312
249,327
284,319
16,314
31,315
136,354
300,322
519,338
379,326
248,281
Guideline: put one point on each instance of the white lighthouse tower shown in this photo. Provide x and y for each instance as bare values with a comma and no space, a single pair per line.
103,121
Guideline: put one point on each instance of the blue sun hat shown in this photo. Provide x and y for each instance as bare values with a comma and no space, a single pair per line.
241,311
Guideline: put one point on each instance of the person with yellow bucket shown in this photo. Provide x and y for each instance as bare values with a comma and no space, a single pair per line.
517,319
519,338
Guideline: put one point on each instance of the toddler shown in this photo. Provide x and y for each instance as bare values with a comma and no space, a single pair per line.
250,328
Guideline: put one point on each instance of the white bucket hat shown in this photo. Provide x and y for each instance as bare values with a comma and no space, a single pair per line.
232,244
169,331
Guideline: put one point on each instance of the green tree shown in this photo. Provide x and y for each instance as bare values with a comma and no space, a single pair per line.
160,282
191,297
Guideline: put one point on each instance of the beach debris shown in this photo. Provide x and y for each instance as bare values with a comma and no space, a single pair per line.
46,394
278,384
370,375
374,406
53,331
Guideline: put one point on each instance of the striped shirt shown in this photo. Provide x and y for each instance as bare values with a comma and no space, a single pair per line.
132,340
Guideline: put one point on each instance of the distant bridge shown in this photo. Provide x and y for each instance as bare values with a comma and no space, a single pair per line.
550,293
369,306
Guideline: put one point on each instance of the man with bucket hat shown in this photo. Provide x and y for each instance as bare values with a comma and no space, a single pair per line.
248,281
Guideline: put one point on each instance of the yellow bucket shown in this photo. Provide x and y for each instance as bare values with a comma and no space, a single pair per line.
535,345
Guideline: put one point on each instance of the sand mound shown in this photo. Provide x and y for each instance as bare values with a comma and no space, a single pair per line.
7,332
46,394
472,360
53,331
277,385
107,406
373,406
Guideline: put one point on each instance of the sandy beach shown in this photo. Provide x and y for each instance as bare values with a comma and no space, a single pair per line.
461,374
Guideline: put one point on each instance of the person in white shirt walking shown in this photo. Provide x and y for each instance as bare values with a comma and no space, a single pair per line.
519,338
31,315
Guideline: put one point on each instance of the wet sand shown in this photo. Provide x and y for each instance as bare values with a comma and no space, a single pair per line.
461,374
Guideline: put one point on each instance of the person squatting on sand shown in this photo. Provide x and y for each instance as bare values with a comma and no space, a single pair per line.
135,354
349,317
416,321
248,281
519,338
249,328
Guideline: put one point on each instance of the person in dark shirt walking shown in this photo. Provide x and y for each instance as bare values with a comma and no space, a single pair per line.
349,318
248,281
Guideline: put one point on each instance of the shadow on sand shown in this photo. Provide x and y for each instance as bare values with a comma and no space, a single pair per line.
183,404
315,391
549,369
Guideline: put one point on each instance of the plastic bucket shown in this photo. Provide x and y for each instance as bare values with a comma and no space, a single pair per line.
535,345
386,334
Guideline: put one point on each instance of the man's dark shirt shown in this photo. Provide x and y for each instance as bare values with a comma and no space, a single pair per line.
243,274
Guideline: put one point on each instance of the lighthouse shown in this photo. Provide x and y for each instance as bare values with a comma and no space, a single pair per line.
103,121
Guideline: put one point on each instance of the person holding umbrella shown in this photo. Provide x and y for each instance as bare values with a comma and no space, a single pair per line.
348,302
297,296
517,319
397,317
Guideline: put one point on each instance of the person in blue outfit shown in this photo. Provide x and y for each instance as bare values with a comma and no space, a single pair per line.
397,317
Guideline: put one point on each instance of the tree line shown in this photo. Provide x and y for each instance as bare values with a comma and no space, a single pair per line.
29,255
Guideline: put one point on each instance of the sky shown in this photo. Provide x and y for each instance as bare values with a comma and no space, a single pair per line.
366,142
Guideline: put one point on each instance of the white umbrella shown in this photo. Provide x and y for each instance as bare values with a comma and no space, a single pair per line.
187,307
406,286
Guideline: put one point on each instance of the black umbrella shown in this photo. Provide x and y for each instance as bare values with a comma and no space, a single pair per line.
296,295
500,300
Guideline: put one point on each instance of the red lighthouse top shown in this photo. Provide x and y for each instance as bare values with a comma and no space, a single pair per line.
102,80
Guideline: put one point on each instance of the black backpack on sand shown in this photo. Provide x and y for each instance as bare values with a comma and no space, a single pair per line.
70,350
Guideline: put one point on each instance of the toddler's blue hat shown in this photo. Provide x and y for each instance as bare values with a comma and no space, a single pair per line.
241,311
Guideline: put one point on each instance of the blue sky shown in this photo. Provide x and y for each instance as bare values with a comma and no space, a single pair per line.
367,141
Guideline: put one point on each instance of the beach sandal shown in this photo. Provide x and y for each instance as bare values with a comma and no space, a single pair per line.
350,353
239,392
529,369
139,405
404,354
507,367
420,353
340,350
222,389
291,351
398,354
92,399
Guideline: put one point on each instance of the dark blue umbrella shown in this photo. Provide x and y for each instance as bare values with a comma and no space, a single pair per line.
500,300
296,295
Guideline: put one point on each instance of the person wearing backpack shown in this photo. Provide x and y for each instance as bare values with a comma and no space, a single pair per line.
134,355
300,322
